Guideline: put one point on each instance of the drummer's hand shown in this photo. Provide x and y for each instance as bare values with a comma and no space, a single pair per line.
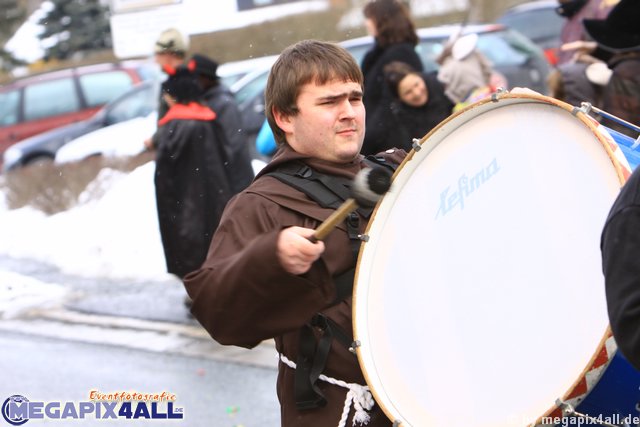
294,250
523,91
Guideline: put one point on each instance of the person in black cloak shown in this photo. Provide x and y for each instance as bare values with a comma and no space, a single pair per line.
219,98
191,182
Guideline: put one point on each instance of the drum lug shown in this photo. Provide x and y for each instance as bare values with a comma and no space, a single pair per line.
415,144
397,423
363,237
585,108
499,91
354,346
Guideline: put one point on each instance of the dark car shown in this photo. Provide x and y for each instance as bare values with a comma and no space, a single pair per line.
513,55
139,101
38,103
538,21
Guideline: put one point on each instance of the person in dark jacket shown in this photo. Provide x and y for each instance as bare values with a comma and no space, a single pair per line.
575,12
395,39
419,104
191,183
219,98
620,243
263,277
619,34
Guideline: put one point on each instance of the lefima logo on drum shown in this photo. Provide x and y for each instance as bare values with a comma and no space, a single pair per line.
466,187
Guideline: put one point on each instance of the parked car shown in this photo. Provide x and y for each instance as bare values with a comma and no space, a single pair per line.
38,103
231,72
246,78
139,101
513,55
249,94
538,21
119,140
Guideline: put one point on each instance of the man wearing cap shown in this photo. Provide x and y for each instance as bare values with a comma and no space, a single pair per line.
170,51
219,98
620,242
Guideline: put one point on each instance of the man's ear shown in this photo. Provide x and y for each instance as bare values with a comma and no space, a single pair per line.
283,121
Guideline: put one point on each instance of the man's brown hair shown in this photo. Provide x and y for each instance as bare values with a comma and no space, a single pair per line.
308,61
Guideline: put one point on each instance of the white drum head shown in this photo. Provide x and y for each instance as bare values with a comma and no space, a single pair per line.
479,298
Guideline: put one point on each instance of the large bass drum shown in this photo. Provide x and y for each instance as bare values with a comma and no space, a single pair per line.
479,297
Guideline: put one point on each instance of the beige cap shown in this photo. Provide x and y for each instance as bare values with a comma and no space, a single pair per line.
172,41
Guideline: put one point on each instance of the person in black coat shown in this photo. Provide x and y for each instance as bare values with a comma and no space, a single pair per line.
192,188
219,98
419,104
395,39
620,242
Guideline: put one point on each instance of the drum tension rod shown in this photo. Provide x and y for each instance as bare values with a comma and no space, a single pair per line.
568,410
354,346
415,144
586,108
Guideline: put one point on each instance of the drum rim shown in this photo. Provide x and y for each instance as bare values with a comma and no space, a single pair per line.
606,348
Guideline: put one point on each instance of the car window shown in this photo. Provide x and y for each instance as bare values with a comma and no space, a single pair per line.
539,24
137,103
252,89
428,50
358,52
100,88
9,103
506,48
149,71
50,98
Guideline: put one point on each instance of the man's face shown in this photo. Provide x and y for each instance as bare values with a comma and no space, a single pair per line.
168,59
330,122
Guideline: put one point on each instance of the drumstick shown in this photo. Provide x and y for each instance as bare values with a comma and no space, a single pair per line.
369,185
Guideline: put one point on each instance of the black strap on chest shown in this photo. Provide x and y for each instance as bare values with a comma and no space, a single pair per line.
328,192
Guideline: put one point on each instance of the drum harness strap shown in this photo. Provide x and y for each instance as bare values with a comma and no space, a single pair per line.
329,192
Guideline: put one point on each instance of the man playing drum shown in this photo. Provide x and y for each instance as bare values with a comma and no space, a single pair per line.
263,278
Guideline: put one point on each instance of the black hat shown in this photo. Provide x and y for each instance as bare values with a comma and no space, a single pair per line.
181,84
620,31
206,67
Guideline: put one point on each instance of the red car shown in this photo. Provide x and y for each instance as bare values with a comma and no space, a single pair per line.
38,103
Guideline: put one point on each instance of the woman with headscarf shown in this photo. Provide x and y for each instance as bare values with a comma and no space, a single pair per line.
419,104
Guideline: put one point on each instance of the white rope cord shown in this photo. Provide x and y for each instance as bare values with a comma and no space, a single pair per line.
358,394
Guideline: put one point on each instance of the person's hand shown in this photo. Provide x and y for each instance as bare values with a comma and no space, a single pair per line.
582,50
148,144
524,91
295,251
